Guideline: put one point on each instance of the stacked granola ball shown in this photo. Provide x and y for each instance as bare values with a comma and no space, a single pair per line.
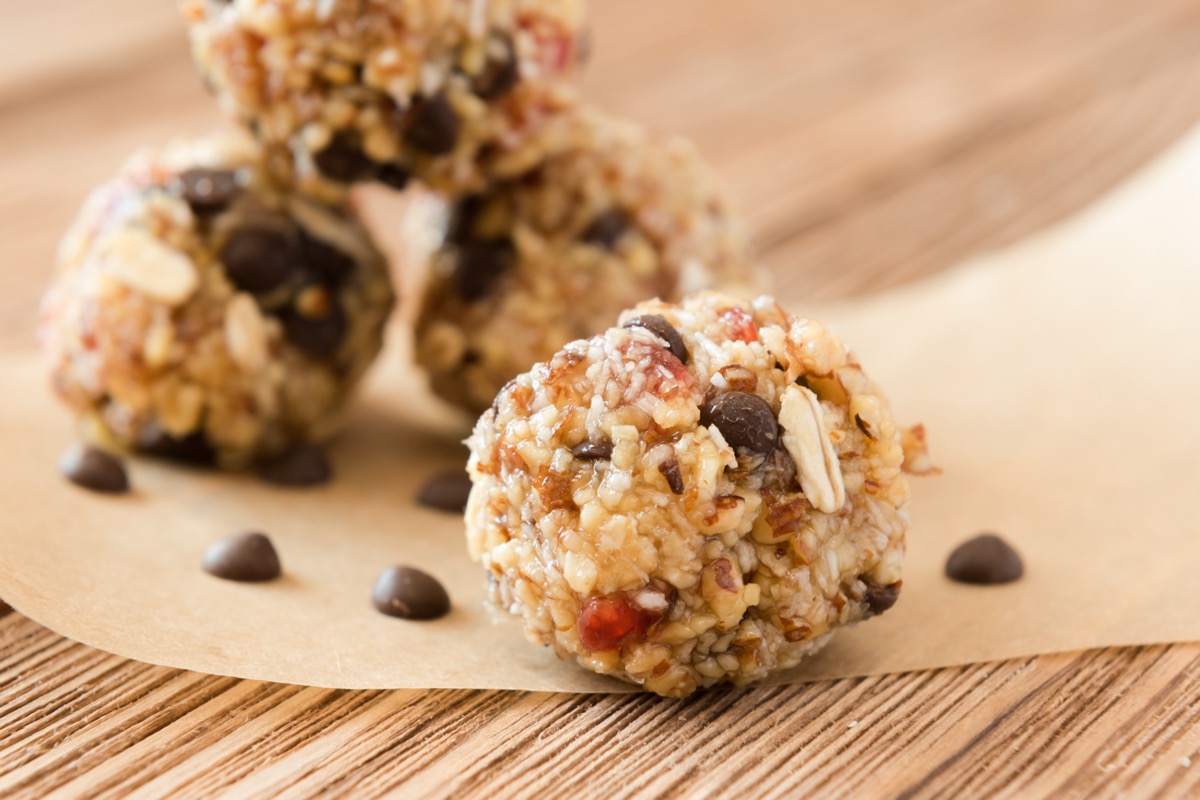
700,494
222,292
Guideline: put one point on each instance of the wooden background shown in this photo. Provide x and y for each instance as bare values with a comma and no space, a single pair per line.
870,143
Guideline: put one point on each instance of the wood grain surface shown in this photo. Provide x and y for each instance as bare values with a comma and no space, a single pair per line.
869,143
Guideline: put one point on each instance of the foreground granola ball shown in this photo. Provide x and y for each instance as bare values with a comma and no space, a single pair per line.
201,310
700,495
354,90
617,217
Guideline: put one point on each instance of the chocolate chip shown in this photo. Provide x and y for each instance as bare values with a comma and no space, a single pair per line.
593,451
745,420
409,593
432,126
499,74
258,260
343,160
664,330
880,598
478,265
192,449
446,491
319,335
607,228
462,218
670,471
302,464
94,469
326,261
248,557
985,559
207,191
392,175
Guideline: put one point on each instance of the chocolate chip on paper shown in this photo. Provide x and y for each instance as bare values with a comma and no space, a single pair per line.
92,468
409,593
248,557
986,560
302,464
446,491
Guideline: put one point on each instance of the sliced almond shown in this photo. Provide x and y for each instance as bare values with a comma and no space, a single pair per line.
805,439
143,263
246,333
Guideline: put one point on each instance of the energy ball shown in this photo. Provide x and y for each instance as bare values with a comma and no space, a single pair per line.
702,494
617,217
383,90
201,311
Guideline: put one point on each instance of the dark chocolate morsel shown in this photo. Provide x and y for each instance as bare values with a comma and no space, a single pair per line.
258,260
745,420
479,264
319,336
985,559
191,449
392,175
248,557
409,593
670,471
446,491
302,464
92,468
431,125
880,598
660,327
593,451
500,72
326,261
462,218
343,160
207,191
607,228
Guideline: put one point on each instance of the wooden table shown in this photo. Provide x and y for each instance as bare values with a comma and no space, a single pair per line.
870,143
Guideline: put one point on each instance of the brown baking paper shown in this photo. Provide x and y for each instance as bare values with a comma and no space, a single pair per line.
1059,381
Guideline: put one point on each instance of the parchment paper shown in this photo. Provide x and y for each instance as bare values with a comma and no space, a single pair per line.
1059,381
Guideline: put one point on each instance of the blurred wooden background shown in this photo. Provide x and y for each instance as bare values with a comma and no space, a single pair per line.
869,143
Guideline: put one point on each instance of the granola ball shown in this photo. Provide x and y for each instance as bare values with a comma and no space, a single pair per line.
700,495
355,90
203,311
619,216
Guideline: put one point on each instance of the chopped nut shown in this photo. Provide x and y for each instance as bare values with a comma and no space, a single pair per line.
805,439
145,264
245,333
916,452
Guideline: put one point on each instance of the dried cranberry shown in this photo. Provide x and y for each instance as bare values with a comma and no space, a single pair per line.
741,325
607,621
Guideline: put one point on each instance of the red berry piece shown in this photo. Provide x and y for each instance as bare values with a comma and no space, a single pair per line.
607,621
740,324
